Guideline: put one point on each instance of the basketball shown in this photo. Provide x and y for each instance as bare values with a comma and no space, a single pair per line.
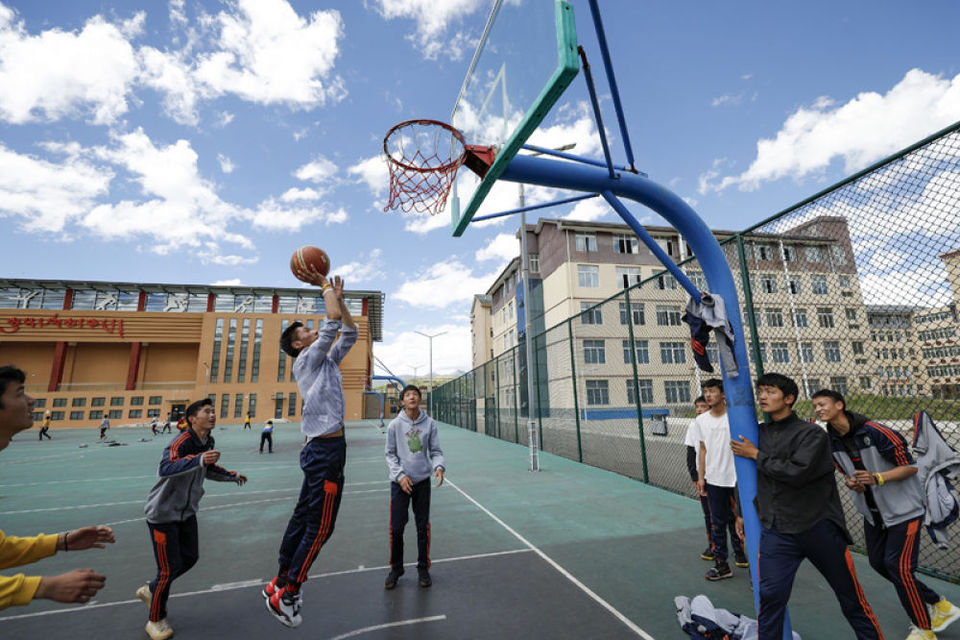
306,256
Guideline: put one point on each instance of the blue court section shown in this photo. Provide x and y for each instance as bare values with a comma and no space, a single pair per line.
570,552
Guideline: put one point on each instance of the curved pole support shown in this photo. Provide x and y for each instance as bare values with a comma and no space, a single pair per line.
737,384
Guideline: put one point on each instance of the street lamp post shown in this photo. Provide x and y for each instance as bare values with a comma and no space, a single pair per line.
430,338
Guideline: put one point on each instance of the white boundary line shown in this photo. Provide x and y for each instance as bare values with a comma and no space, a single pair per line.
389,625
603,603
246,584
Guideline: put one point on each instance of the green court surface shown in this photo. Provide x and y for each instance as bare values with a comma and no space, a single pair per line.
569,552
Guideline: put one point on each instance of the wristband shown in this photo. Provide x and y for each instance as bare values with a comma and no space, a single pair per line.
65,535
879,479
323,289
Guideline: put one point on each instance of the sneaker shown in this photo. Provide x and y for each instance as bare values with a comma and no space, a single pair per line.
707,554
270,588
392,578
424,577
921,634
285,607
720,571
144,594
160,630
943,614
740,559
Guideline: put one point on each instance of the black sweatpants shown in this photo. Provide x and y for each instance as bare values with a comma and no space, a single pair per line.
176,550
893,554
400,514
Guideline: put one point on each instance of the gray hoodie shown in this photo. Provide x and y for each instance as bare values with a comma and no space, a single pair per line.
413,449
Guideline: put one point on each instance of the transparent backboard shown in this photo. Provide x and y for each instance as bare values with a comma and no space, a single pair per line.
526,58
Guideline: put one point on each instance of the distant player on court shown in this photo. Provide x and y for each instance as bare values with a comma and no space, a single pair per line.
172,508
267,436
45,427
104,425
246,423
413,455
322,459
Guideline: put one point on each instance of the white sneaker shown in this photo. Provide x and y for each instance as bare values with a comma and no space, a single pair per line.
160,630
285,607
943,614
144,594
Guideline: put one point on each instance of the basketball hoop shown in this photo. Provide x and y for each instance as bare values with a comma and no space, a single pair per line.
423,157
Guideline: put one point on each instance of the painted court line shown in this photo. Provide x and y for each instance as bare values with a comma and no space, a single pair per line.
390,625
244,584
603,603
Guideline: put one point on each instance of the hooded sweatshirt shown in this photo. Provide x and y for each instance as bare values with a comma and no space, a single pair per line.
413,449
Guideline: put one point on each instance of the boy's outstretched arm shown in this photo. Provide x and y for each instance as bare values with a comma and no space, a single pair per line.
344,311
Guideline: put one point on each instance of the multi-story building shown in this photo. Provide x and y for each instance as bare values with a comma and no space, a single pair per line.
132,352
480,322
810,317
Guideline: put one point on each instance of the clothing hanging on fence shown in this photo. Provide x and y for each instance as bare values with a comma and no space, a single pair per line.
711,314
702,621
937,466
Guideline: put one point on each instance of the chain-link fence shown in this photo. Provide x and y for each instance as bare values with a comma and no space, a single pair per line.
855,289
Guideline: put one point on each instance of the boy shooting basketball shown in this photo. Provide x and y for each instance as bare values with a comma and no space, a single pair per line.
322,459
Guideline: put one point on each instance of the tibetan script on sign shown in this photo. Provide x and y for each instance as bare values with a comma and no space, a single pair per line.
14,323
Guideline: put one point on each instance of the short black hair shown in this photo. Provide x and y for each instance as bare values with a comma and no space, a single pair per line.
9,374
411,387
715,383
194,408
836,396
286,339
782,382
699,400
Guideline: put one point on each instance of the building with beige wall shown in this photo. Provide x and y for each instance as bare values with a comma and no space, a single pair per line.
132,352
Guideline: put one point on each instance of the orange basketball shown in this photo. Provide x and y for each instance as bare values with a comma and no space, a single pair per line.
305,256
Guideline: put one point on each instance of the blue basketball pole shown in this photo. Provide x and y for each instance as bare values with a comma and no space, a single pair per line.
738,386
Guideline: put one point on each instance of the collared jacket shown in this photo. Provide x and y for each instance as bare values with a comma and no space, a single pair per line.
938,465
881,449
795,483
176,495
317,370
19,589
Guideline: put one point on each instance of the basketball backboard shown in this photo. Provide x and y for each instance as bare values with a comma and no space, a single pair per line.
526,58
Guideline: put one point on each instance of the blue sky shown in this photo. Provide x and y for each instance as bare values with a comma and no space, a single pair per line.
203,141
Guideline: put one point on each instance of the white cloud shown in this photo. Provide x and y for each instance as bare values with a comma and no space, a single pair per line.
273,216
369,268
433,21
233,282
590,210
319,171
861,131
727,100
503,248
267,53
921,286
226,164
406,350
443,284
171,75
373,173
58,73
294,194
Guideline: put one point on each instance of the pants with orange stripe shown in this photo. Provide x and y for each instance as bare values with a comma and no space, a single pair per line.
311,525
176,550
893,554
723,518
825,545
400,514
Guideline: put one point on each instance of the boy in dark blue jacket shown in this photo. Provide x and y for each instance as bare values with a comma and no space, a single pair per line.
172,508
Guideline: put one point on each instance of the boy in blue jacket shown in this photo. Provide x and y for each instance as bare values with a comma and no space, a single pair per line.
413,454
172,508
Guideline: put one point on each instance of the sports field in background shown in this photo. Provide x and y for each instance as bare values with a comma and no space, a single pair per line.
570,552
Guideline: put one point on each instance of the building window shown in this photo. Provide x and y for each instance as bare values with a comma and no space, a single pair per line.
780,352
831,351
252,404
278,406
78,402
813,254
625,244
598,392
857,348
627,276
228,358
257,339
76,415
588,275
641,351
865,382
851,315
238,406
215,357
673,353
768,284
636,309
115,414
153,413
763,251
39,403
839,384
59,402
590,314
94,402
668,315
818,284
774,317
156,400
646,391
793,285
696,277
244,344
789,253
96,414
838,254
586,242
800,318
594,352
136,401
825,317
843,281
666,282
116,401
225,405
534,262
292,404
677,391
135,413
631,398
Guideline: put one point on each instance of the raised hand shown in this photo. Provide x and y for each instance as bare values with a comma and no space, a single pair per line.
88,538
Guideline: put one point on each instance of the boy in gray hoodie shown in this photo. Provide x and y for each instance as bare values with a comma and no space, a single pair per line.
413,454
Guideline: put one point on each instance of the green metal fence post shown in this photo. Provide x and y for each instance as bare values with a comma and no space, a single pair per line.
573,377
516,409
748,306
636,386
536,355
496,394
